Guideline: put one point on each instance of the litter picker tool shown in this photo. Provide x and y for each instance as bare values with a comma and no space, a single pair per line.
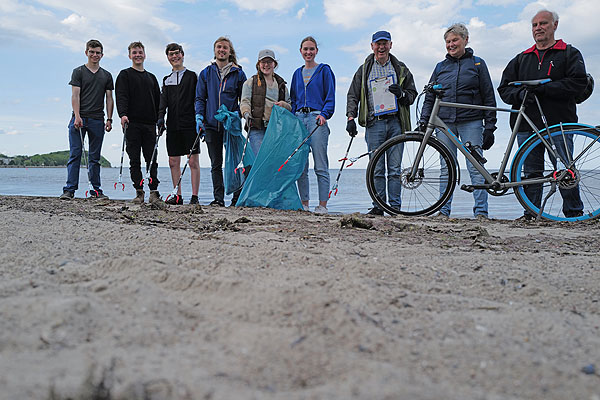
87,165
147,177
355,159
176,188
241,164
334,188
298,148
120,180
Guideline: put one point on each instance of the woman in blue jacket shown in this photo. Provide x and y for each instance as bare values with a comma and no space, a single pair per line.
313,101
465,79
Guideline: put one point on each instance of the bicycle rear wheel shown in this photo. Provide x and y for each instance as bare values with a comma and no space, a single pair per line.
577,197
420,195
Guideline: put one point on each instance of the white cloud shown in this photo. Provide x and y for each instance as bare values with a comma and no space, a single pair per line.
262,6
301,12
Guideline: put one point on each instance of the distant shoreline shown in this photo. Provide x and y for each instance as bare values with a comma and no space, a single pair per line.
36,166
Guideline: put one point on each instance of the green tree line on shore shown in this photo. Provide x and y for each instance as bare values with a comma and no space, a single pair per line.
54,159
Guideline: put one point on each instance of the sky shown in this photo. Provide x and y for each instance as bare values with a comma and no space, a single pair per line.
42,41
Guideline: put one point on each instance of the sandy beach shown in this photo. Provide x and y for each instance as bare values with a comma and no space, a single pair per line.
111,300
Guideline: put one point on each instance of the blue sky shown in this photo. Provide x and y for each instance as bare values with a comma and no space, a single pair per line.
42,41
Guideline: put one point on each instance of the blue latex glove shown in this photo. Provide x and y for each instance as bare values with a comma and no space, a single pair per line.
199,123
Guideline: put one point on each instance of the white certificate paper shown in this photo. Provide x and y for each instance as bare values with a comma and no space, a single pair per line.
384,102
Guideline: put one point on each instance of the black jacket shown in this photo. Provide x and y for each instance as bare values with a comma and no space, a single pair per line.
179,101
557,98
464,80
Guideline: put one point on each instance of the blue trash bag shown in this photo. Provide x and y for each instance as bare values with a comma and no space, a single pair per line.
234,142
267,187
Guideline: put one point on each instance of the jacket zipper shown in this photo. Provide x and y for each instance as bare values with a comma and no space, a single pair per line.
550,68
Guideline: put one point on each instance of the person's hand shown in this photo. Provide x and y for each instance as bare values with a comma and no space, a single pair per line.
78,123
488,139
321,120
161,126
108,125
199,123
396,90
530,99
124,121
246,115
351,128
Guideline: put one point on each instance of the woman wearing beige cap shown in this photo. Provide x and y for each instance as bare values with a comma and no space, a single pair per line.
259,94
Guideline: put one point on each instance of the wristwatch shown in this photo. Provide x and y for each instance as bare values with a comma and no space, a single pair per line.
109,119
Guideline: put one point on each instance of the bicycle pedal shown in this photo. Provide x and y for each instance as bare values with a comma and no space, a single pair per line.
467,188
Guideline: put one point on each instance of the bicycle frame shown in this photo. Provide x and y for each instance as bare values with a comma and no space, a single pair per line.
436,122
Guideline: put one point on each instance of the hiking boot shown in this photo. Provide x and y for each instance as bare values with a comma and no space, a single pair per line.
482,217
193,200
321,210
66,195
176,200
375,211
139,196
217,203
573,214
154,197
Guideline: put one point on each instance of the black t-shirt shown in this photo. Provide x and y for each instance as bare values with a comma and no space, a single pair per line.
93,87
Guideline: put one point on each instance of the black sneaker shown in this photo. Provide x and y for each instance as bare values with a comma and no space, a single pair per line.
94,194
219,203
67,195
194,199
375,211
175,200
525,218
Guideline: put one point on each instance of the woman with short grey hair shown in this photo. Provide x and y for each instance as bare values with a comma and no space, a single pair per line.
465,79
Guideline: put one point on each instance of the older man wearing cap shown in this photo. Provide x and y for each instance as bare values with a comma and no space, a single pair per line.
382,123
259,94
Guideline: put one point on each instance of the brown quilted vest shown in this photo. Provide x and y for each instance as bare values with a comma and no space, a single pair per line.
259,93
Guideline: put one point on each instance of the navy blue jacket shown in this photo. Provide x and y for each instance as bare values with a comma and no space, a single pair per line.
319,93
211,92
464,80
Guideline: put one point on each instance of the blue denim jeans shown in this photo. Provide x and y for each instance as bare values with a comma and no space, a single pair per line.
94,128
256,138
375,134
534,167
318,145
470,131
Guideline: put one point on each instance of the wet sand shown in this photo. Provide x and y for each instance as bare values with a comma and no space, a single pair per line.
111,300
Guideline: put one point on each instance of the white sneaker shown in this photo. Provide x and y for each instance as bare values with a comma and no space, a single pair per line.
321,210
305,208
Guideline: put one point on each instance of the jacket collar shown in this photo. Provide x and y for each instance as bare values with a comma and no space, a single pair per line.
468,54
559,45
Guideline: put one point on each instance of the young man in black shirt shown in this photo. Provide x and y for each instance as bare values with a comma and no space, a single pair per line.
89,85
177,101
138,97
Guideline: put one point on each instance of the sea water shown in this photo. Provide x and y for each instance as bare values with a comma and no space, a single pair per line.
352,193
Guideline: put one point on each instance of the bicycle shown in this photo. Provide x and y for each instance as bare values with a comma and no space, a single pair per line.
430,172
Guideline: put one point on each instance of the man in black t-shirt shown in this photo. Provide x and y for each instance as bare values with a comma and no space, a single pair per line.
138,97
89,85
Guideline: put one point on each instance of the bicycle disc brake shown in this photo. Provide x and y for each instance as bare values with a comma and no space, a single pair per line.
411,183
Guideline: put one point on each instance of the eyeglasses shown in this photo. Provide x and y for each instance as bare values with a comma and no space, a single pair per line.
267,61
174,53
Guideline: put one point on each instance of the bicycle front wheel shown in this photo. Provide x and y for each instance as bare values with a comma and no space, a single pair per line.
390,168
577,196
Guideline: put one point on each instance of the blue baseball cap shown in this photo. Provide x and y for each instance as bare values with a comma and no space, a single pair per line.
381,35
